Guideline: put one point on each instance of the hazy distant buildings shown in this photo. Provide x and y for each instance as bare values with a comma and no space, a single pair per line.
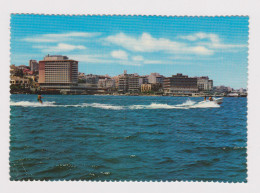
180,84
58,72
34,65
91,80
222,89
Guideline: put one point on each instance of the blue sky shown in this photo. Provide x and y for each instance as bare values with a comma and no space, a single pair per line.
195,46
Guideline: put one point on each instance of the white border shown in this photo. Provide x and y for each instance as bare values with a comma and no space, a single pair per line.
144,7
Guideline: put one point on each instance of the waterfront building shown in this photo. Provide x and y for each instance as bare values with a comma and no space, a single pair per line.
241,90
222,89
204,84
81,75
155,78
180,84
150,87
91,80
16,80
34,65
57,71
128,82
116,80
133,83
146,87
229,89
106,83
143,80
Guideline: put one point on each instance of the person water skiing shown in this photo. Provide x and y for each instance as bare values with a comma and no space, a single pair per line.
40,98
205,98
210,98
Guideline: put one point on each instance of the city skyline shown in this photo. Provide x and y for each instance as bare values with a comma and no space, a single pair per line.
207,46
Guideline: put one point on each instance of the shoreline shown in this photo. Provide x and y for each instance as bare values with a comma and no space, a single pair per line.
133,95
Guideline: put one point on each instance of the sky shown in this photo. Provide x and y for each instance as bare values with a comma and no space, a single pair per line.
216,47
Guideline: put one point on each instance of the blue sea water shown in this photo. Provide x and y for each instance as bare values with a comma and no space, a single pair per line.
78,137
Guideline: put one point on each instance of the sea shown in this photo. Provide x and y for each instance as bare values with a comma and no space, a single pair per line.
127,138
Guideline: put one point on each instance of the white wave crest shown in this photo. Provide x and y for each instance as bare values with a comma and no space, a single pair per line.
155,106
33,104
186,105
205,104
102,106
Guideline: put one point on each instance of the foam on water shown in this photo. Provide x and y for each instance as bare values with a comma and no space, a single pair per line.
102,106
33,104
205,104
52,104
186,105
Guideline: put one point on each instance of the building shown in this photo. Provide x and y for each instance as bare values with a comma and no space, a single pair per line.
204,84
58,72
180,84
116,80
128,82
146,87
106,83
16,80
222,89
143,80
155,78
133,84
22,67
13,69
34,65
91,80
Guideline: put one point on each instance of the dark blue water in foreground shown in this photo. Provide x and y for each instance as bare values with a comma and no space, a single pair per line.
127,138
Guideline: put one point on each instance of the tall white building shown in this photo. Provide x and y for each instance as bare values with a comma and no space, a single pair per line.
58,71
204,84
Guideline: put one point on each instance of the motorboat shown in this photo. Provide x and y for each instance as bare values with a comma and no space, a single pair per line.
218,100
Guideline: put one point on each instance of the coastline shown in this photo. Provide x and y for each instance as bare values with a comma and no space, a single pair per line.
180,95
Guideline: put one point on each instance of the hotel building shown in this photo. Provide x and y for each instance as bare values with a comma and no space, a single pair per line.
58,72
180,84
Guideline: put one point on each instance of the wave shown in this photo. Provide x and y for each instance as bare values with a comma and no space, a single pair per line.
33,104
186,105
102,106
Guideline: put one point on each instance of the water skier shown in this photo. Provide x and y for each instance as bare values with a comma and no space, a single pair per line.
40,98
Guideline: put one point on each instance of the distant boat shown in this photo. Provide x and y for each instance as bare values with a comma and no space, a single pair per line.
233,95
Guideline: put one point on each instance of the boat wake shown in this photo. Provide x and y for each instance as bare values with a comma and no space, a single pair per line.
186,105
33,104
